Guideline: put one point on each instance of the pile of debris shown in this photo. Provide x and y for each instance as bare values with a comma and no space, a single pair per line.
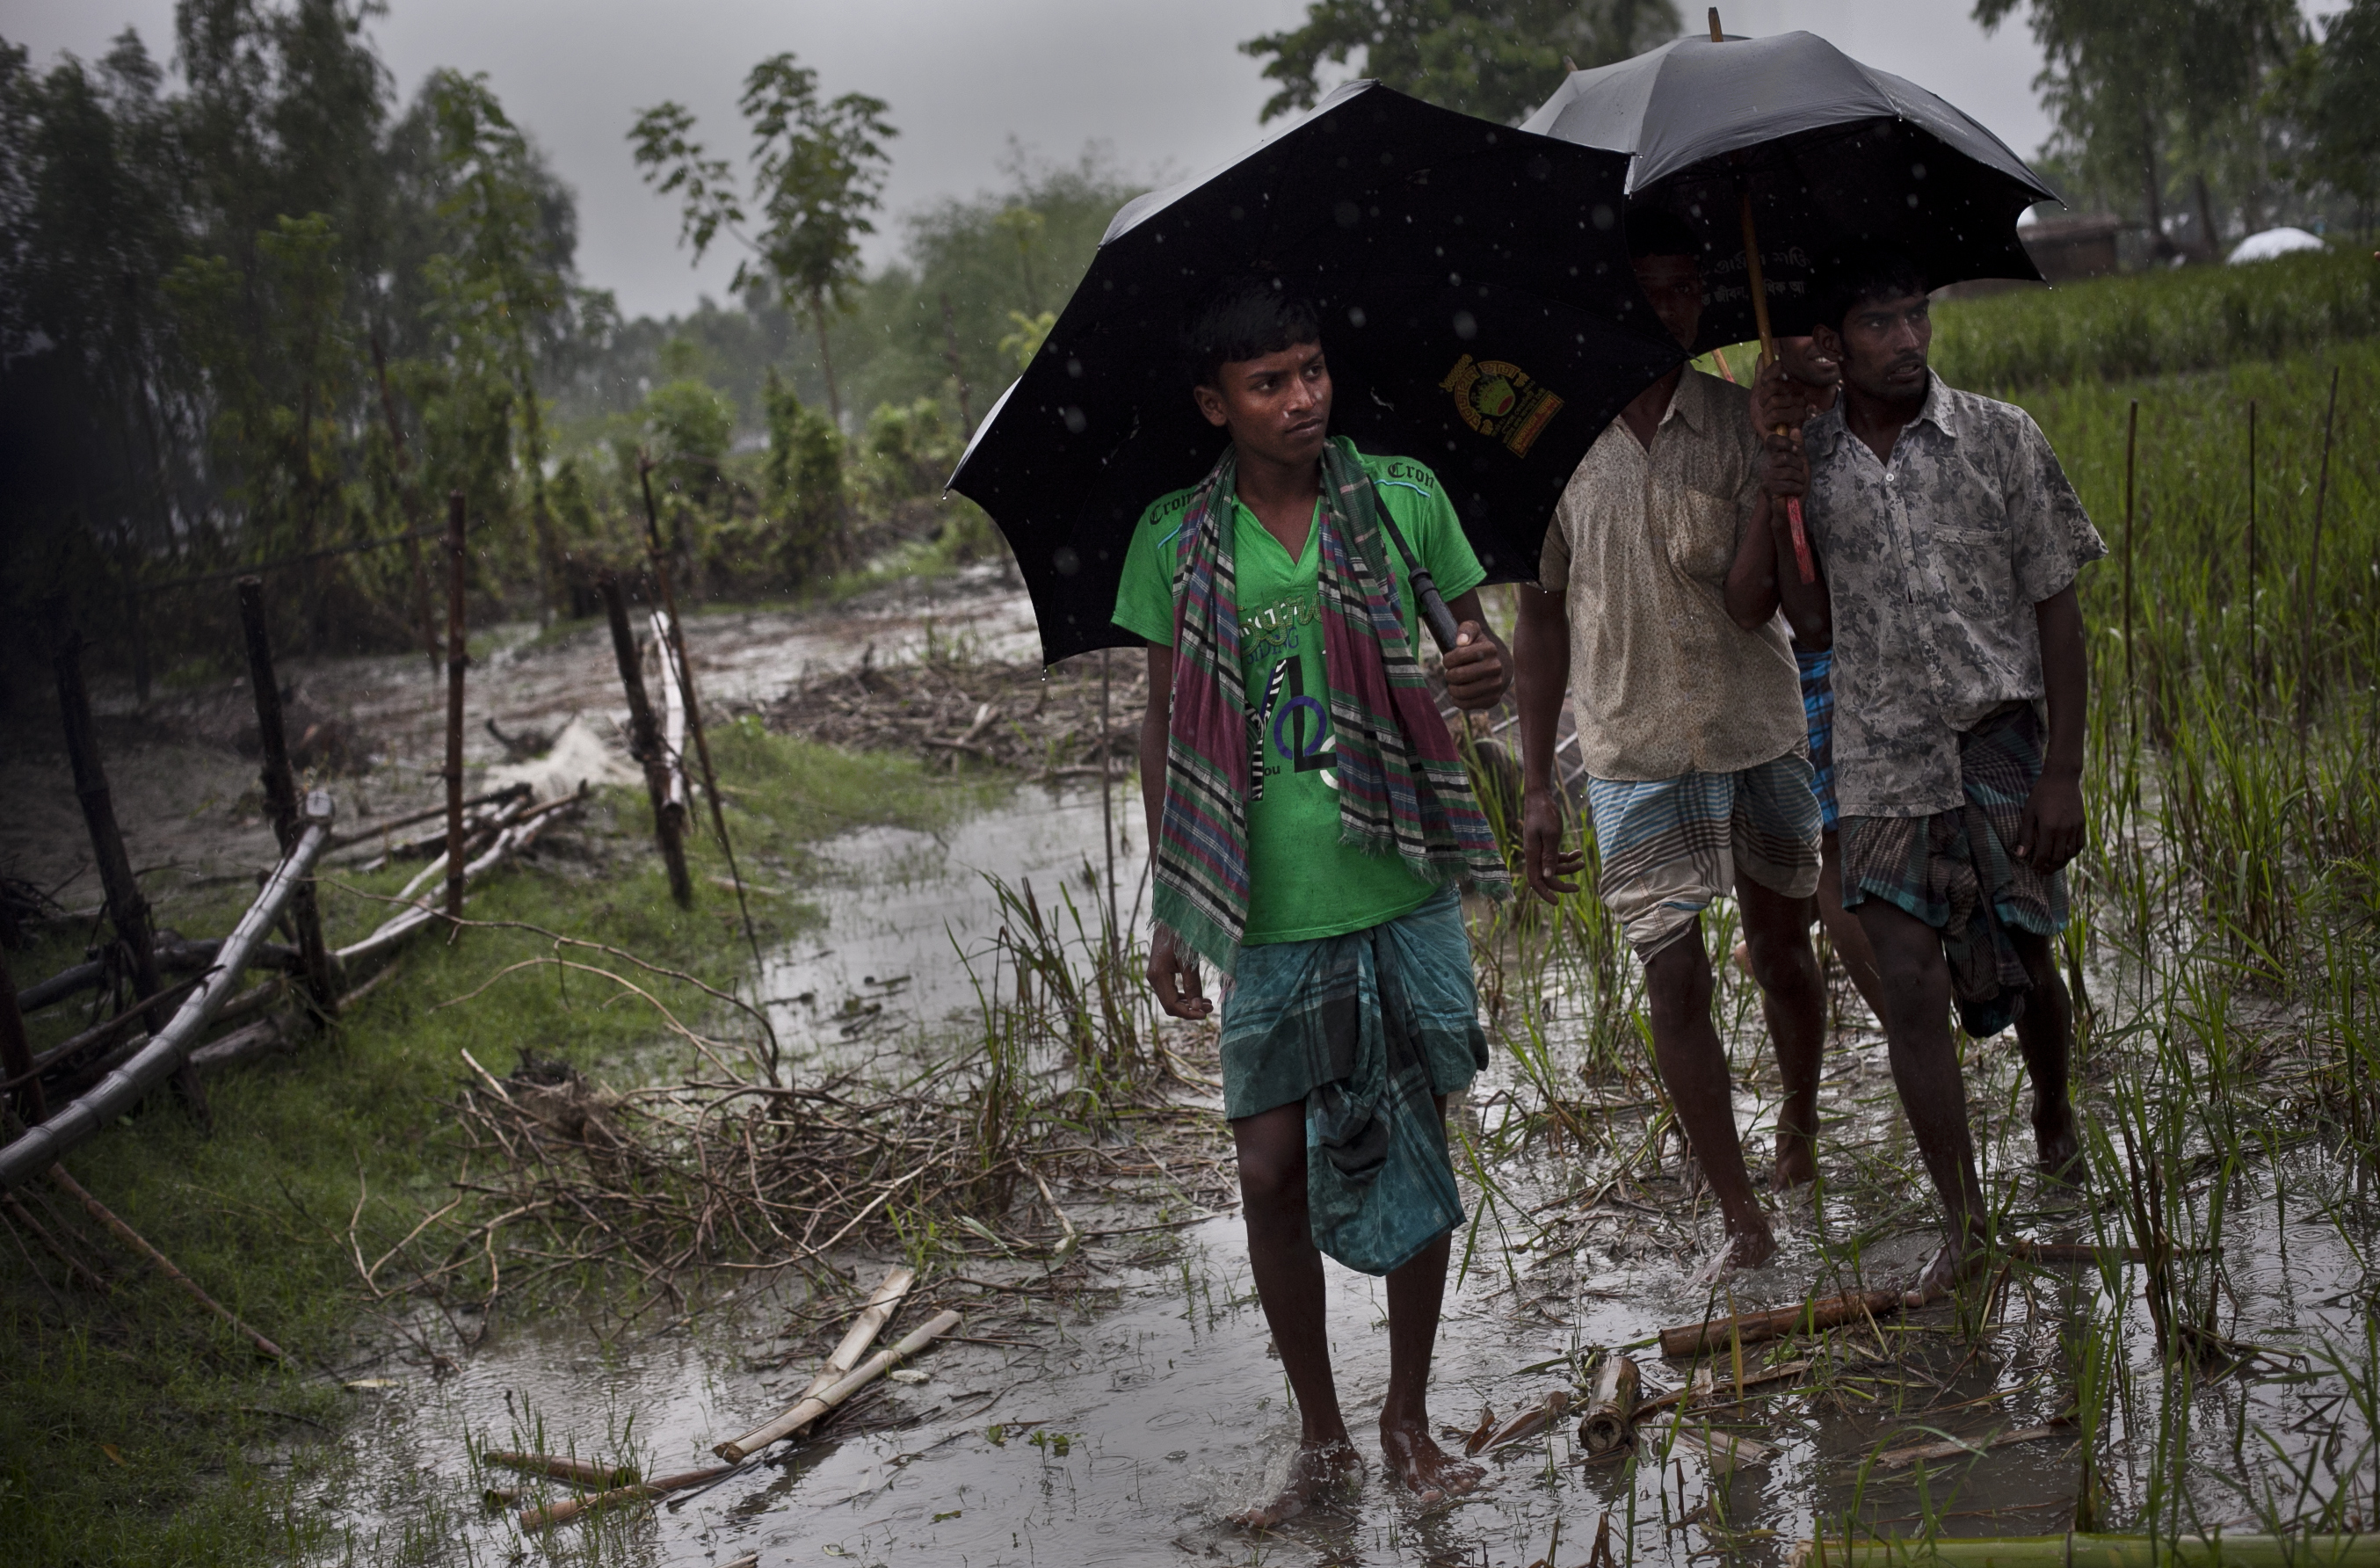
1019,716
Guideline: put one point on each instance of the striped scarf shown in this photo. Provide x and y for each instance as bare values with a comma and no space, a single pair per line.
1402,788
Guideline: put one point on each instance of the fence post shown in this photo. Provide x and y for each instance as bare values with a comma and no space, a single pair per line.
281,795
645,742
456,660
126,910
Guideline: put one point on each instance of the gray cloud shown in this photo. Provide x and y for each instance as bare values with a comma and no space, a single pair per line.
1159,84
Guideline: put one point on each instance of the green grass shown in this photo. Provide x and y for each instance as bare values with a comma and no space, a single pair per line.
2158,324
351,1128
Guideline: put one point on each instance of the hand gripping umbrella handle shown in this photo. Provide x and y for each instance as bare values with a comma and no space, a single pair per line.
1432,604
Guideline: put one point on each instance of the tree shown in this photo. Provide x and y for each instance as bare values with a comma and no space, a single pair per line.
2333,93
818,174
495,281
2143,99
1498,59
805,481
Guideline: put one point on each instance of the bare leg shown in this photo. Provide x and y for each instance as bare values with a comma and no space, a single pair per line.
1416,1291
2044,1031
1843,928
1288,1272
1926,1070
1694,1070
1793,1000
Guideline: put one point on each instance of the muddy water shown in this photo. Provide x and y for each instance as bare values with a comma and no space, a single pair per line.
1158,1407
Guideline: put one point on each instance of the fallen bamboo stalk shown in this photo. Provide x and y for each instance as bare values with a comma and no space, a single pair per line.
1901,1458
458,659
24,1083
124,1025
1720,1449
864,1329
75,1269
1709,1392
165,1265
580,1472
645,743
379,830
818,1404
1525,1424
2079,1551
406,922
553,1513
1612,1409
1754,1328
38,1148
280,787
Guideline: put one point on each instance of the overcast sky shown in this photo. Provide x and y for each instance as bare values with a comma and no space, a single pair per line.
1160,84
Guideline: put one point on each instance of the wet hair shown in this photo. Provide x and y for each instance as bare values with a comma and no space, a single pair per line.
1850,279
1245,317
1652,232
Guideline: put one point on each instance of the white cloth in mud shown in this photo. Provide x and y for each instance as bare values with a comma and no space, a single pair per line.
578,755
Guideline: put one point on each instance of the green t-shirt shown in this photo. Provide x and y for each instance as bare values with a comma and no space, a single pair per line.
1303,884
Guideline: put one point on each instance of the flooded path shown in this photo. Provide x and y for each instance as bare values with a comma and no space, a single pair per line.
1134,1400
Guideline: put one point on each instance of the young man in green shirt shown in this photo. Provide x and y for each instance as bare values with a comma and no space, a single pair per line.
1311,822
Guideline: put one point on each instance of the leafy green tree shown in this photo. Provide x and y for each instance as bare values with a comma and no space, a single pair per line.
2146,98
1025,341
2333,94
817,178
909,450
1495,58
495,281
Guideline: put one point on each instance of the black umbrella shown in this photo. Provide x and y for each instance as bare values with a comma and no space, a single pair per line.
1829,151
1775,150
1477,307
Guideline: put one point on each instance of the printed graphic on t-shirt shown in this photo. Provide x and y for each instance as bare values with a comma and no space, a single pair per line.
1289,728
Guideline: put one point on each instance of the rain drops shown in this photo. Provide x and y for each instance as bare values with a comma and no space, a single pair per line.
1348,214
1355,315
1467,325
1916,171
1604,217
1075,423
1066,561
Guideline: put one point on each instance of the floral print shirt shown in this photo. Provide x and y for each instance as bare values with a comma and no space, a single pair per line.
1935,560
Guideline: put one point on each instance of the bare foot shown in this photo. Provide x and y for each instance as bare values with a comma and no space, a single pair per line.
2060,1145
1945,1272
1797,1161
1744,1250
1744,959
1317,1469
1431,1472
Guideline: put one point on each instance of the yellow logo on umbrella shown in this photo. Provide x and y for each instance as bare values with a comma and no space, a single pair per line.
1500,399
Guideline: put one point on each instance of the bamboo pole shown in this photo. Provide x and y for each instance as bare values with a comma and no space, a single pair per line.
818,1404
645,743
456,658
2314,572
580,1472
128,911
693,714
164,1265
281,795
17,1056
874,1316
2255,671
75,1268
1752,1328
1611,1408
2131,440
561,1513
1107,792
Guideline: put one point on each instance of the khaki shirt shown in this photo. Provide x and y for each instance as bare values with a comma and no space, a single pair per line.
1935,562
1641,544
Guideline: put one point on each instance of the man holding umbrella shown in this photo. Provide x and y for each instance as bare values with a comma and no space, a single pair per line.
1952,541
1691,727
1311,821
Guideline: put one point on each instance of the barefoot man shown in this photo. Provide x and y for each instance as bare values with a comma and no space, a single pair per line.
1312,822
1692,728
1951,541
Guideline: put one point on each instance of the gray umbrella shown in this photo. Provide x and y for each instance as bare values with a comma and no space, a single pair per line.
1829,151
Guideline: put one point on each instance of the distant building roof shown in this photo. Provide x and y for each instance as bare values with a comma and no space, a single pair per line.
2271,243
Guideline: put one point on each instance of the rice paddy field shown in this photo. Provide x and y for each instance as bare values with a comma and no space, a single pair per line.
2214,1366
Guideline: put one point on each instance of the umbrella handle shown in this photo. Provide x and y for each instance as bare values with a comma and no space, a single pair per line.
1759,285
1426,598
1802,556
